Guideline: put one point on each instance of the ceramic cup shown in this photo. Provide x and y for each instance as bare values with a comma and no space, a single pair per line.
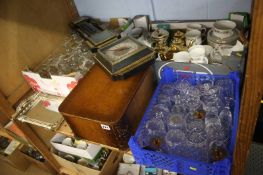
200,60
196,46
208,50
183,57
197,52
195,26
81,144
193,36
67,141
128,158
223,28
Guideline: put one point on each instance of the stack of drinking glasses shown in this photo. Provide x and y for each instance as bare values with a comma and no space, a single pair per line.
74,58
192,121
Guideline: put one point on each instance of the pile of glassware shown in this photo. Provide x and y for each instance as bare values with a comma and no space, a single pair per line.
74,57
192,121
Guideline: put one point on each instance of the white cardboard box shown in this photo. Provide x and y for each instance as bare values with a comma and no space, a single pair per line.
52,102
56,85
90,153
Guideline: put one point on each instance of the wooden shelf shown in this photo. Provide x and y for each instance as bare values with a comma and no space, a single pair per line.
66,130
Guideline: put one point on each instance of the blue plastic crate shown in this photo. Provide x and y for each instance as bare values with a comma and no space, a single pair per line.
180,164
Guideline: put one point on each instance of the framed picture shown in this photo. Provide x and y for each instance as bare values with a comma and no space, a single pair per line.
122,54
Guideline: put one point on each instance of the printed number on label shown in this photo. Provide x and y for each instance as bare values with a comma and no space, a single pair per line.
106,127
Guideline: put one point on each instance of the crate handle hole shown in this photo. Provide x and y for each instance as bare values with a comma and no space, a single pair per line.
193,168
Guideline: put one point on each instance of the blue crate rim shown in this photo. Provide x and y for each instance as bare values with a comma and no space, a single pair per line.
132,140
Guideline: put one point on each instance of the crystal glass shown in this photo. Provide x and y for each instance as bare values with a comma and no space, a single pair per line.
204,87
152,135
160,111
194,124
211,99
143,138
226,91
155,127
212,110
165,99
155,133
225,118
70,60
215,130
177,99
53,70
65,68
211,115
44,71
217,151
169,89
210,95
175,121
192,98
196,146
195,106
175,142
179,110
214,106
182,86
192,92
227,87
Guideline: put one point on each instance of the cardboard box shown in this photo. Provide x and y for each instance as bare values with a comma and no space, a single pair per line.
110,166
62,84
56,85
52,102
90,153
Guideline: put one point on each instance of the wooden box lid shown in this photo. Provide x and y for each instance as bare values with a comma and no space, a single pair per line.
98,97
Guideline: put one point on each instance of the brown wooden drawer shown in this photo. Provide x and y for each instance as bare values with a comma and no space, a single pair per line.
43,165
105,111
16,159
